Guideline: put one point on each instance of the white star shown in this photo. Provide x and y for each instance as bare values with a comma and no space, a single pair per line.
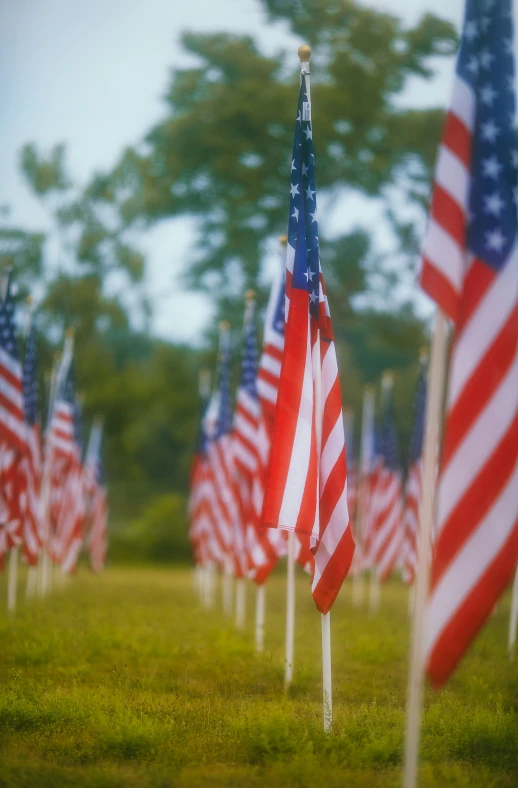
489,131
495,240
488,5
304,169
295,214
487,95
294,189
309,193
311,274
486,58
491,167
308,133
484,23
299,118
313,216
473,66
293,165
470,31
306,274
313,297
493,204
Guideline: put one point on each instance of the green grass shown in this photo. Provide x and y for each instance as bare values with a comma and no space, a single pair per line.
124,680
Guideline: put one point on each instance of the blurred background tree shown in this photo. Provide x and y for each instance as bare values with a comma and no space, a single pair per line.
221,154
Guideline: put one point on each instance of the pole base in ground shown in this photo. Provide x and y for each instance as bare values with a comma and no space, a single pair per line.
32,582
327,686
290,611
513,619
240,603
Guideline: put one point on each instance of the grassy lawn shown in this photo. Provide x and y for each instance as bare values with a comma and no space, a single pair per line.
125,681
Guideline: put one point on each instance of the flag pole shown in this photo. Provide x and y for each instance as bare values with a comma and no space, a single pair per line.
436,380
260,605
513,618
304,52
290,610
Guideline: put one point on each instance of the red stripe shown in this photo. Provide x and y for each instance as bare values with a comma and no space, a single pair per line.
457,137
337,566
449,215
440,289
479,278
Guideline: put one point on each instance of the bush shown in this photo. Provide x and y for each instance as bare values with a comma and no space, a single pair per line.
159,534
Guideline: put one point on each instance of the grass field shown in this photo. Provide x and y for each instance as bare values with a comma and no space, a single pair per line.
124,680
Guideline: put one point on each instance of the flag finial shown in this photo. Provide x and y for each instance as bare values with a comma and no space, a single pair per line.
250,295
283,240
69,333
224,325
304,53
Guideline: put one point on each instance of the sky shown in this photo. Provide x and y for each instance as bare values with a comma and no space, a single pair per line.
92,75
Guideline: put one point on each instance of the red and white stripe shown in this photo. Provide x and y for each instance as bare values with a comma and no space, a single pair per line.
12,430
477,520
31,470
269,370
307,487
411,523
385,529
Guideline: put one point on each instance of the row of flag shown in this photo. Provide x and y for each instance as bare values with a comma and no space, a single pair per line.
53,500
278,465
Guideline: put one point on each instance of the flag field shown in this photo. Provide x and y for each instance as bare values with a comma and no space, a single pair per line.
127,681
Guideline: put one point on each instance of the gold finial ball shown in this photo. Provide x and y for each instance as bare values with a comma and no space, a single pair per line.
250,295
387,378
29,300
304,53
70,332
224,325
283,239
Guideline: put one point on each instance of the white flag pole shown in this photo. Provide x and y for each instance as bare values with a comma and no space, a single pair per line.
365,462
240,603
32,582
513,619
12,579
260,605
290,610
434,402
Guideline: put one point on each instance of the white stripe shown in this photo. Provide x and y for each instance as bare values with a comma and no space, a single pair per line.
13,424
444,253
451,174
266,390
300,451
331,451
483,327
244,430
336,528
329,373
271,365
476,555
478,445
248,403
463,102
290,258
11,393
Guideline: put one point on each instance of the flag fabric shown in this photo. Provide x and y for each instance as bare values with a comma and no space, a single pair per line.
32,525
222,488
269,372
470,268
12,428
413,483
97,506
385,505
306,489
261,546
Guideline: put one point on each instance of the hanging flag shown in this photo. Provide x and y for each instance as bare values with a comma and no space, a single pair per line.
413,482
269,372
385,529
224,500
307,480
97,506
470,268
32,526
12,428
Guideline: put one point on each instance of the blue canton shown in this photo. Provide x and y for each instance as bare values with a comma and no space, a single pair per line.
8,340
416,441
388,437
249,368
30,382
486,63
224,420
303,224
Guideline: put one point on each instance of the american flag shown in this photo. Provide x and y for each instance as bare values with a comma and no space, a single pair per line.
269,372
385,531
32,463
97,501
413,482
222,488
263,546
307,479
12,427
470,269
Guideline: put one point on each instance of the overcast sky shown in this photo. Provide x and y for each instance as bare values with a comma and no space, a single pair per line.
91,74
